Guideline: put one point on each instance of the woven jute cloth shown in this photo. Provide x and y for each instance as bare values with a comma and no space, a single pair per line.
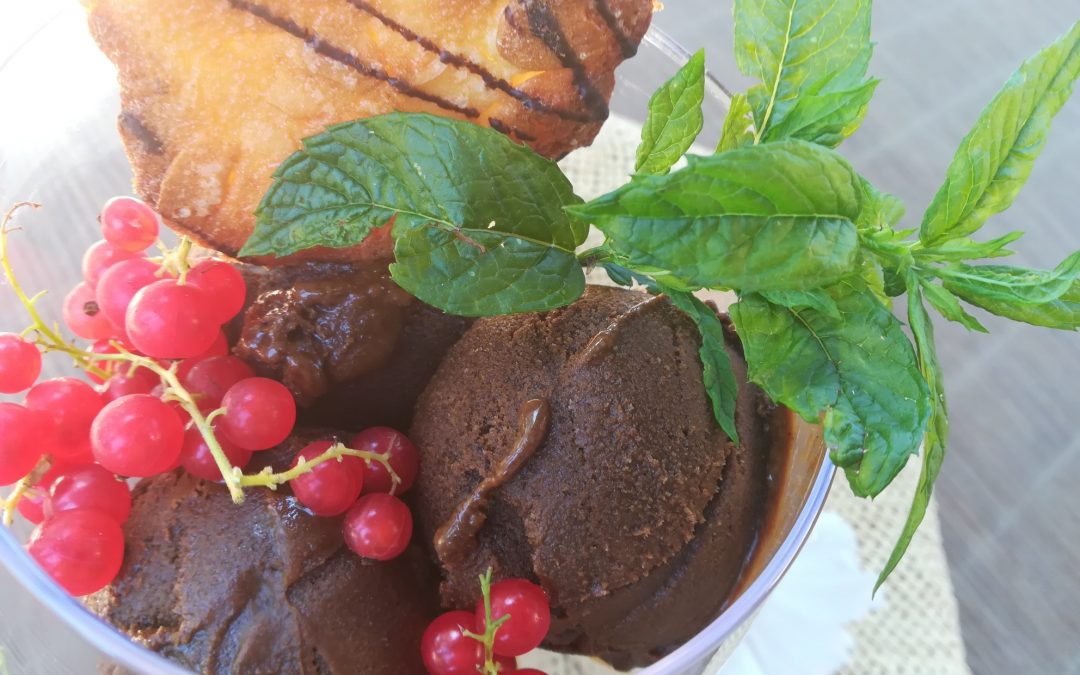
910,627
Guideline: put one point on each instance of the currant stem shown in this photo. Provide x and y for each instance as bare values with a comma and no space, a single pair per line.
487,639
266,478
17,491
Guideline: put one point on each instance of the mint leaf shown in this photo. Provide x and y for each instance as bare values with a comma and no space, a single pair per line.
881,208
737,130
674,119
426,170
811,57
1063,312
996,157
779,216
949,307
1013,285
962,248
937,431
827,118
717,375
817,299
510,274
859,371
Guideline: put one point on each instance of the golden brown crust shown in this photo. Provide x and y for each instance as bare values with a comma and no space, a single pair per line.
216,93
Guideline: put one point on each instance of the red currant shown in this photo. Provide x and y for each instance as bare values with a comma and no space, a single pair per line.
142,381
20,363
219,348
89,487
129,224
32,504
101,256
137,435
119,284
222,282
81,550
260,413
329,488
445,647
378,526
83,315
72,406
197,459
20,447
530,616
403,457
168,320
211,378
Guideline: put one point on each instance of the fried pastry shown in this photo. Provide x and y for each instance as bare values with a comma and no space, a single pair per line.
216,93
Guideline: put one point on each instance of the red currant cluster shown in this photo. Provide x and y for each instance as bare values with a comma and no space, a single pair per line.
168,394
511,619
378,525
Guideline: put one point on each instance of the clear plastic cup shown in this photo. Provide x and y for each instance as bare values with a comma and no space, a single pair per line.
59,146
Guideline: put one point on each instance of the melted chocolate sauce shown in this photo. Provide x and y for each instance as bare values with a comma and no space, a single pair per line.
453,538
603,342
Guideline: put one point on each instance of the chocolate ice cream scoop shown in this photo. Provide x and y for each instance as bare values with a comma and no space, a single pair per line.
354,349
577,448
262,587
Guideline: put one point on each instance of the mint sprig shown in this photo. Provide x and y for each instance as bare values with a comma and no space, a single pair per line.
995,158
811,247
472,209
811,57
675,118
780,216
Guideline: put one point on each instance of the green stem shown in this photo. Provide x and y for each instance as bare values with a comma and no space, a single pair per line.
266,478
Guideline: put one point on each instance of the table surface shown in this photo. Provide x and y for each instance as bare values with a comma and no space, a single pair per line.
1008,508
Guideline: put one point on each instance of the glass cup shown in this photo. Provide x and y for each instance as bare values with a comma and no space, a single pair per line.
59,147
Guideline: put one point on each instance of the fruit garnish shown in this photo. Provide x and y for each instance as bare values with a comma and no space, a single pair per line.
378,526
814,252
511,619
526,611
135,426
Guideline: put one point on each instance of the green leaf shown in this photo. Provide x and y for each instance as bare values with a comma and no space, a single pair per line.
881,209
859,371
717,375
738,124
962,248
937,431
509,275
1062,312
1012,285
811,57
422,168
996,157
779,216
816,299
674,118
949,307
827,118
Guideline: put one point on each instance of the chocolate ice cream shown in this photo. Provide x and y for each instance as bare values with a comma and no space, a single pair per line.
577,448
262,587
355,350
